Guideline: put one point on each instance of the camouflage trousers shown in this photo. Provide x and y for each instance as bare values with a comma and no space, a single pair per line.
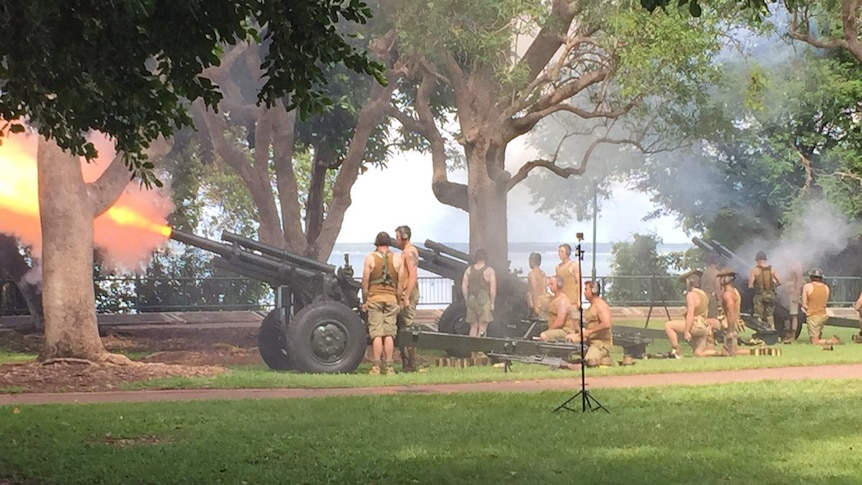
764,308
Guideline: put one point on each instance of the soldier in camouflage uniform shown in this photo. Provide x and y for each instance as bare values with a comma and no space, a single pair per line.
763,279
479,287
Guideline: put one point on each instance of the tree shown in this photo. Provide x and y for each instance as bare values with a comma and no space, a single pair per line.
299,173
825,24
639,273
129,69
507,65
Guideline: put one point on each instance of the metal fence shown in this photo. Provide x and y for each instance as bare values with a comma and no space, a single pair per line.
140,295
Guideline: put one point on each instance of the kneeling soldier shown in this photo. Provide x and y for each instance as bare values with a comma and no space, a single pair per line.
560,321
597,328
695,328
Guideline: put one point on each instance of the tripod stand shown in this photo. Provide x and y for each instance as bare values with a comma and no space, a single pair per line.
587,399
652,301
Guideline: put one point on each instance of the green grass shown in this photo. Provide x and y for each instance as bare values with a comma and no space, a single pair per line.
753,433
796,355
7,357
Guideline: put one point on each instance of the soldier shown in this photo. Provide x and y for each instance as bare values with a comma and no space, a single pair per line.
479,287
858,307
561,323
379,287
597,328
790,299
409,291
571,274
815,294
763,279
730,305
537,296
695,327
710,285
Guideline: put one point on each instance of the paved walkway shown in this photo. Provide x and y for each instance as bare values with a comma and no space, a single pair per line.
847,371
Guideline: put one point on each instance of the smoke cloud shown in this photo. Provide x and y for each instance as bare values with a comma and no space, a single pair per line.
123,247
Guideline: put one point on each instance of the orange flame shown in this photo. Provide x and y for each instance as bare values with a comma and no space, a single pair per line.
128,232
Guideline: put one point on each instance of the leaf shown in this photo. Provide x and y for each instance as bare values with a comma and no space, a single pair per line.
16,128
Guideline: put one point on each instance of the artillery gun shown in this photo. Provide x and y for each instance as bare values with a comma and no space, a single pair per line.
731,260
513,318
315,326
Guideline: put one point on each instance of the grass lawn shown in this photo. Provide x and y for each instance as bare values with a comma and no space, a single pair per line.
800,354
754,433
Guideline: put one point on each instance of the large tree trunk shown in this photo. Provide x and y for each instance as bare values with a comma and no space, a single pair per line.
486,200
68,296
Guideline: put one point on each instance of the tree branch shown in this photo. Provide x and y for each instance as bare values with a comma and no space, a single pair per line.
549,39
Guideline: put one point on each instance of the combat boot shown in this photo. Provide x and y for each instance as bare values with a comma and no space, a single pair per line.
375,369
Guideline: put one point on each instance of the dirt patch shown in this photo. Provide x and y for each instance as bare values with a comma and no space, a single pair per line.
119,442
169,352
71,377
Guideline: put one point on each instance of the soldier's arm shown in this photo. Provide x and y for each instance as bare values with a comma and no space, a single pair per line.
577,273
805,297
410,261
464,279
728,302
776,278
858,305
690,304
751,278
492,279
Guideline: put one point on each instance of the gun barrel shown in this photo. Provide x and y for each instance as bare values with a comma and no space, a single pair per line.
446,250
261,267
216,247
277,253
703,244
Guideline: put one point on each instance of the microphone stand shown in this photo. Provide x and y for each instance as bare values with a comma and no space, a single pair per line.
587,399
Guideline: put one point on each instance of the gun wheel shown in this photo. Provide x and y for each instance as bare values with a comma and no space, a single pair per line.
453,320
327,337
272,343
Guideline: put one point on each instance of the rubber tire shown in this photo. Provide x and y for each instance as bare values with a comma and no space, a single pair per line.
272,343
453,321
302,327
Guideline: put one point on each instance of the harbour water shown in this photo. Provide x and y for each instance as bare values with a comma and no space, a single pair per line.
518,255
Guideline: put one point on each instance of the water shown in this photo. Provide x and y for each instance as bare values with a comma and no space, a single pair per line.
518,255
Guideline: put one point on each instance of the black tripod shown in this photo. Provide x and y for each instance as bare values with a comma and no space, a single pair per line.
587,399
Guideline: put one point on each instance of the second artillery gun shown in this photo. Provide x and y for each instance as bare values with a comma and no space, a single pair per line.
513,318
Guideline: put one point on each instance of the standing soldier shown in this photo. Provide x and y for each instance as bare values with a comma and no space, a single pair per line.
597,328
537,296
379,287
815,294
561,323
763,279
571,274
730,305
858,307
695,327
790,299
479,287
409,291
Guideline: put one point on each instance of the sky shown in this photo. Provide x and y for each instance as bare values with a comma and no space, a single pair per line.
401,194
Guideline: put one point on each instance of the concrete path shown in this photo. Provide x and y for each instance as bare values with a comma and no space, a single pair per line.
847,371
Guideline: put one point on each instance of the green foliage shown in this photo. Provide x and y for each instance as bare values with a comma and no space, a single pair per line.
638,258
129,68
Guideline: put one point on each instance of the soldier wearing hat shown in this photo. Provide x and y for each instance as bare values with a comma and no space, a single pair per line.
379,294
763,279
815,294
696,328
